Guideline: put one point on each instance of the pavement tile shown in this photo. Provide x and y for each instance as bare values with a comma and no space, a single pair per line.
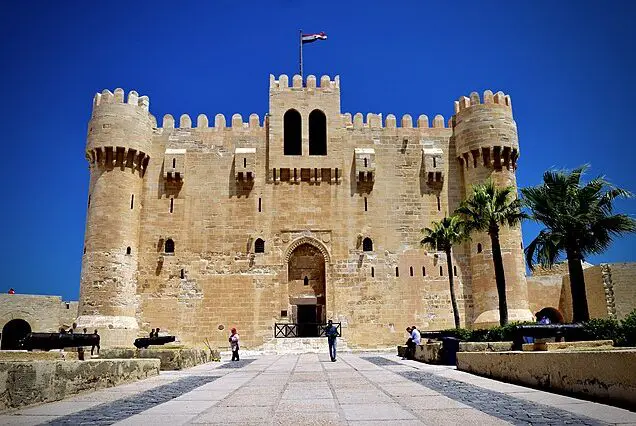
362,397
461,416
24,420
204,395
601,412
314,405
407,389
157,419
308,418
429,402
386,423
182,408
217,415
391,411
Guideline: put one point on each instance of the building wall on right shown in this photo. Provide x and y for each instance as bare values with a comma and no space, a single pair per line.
610,289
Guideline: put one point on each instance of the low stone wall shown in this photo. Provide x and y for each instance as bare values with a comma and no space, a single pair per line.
607,376
37,355
432,352
171,358
30,382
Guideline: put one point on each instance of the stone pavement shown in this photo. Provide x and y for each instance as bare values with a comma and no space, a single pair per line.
365,389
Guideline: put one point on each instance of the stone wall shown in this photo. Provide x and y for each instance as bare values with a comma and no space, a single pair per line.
623,279
607,376
171,358
26,383
43,313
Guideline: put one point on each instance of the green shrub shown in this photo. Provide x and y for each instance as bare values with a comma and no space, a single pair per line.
602,329
628,328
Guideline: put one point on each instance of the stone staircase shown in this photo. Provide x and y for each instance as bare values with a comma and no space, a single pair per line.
301,345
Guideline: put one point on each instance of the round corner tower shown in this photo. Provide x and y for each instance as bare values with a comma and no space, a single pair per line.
118,142
487,147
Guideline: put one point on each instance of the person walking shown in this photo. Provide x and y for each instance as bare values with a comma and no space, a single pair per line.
234,344
332,333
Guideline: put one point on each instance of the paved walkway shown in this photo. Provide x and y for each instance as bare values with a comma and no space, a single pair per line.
309,389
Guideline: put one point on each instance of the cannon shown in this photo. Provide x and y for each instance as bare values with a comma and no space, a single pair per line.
144,342
568,332
48,341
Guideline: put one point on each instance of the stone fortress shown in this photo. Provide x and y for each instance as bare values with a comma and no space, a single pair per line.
300,216
304,215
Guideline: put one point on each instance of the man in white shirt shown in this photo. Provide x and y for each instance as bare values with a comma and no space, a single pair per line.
415,335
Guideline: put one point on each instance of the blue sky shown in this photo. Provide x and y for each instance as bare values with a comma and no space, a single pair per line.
567,65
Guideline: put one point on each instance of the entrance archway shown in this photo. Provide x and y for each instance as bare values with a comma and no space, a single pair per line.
306,287
13,332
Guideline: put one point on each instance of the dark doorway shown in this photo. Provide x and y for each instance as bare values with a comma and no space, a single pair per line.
307,320
317,133
292,133
13,332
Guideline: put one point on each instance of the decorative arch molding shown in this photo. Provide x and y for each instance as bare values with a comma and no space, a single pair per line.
307,240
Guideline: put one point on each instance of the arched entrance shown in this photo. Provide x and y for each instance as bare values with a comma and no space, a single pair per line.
13,332
306,287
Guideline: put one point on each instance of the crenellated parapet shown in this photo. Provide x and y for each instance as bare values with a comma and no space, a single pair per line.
120,131
376,121
283,83
220,123
485,131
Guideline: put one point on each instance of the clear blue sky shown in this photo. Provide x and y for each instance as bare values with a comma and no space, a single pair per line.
569,67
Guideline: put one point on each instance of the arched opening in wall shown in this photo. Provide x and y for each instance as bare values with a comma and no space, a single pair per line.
307,290
292,133
423,271
372,272
411,270
367,244
552,314
397,271
13,332
128,250
169,246
317,133
479,248
259,246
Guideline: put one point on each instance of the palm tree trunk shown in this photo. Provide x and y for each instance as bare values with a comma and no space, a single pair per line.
451,280
500,276
580,310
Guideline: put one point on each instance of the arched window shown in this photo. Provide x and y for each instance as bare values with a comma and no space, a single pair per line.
367,244
306,280
479,249
259,246
317,133
411,270
128,250
292,134
169,246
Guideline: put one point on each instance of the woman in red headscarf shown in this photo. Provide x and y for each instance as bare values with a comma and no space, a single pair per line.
234,343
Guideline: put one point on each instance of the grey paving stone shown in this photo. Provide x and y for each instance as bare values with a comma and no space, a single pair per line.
378,411
218,415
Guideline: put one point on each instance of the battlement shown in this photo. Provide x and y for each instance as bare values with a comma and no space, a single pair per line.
117,97
220,123
282,83
375,121
498,98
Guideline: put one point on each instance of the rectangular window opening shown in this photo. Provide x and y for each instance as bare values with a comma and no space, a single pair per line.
455,270
397,271
337,174
89,201
283,314
132,201
434,162
171,205
441,272
244,162
259,205
174,163
372,272
423,271
439,204
366,206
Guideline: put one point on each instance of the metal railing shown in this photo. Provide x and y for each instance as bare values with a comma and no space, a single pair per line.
307,329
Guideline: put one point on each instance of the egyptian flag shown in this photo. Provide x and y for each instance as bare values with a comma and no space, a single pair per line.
310,38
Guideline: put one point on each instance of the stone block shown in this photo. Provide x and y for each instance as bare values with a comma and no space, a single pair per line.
171,358
606,375
29,382
556,346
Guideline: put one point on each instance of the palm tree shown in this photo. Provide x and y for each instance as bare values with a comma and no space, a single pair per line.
488,209
442,236
578,221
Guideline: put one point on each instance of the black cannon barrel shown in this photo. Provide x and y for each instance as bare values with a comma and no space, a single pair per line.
570,332
144,342
48,341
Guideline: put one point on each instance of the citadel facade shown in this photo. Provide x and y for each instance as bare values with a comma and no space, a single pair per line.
304,215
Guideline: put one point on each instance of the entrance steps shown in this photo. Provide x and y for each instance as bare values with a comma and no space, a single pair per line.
301,345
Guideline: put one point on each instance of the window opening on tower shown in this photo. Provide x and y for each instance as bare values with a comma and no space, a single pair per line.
317,133
169,246
259,246
367,244
292,133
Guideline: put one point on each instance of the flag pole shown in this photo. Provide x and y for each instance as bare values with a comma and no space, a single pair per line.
300,40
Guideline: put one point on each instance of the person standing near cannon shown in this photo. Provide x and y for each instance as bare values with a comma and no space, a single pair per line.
234,344
95,344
